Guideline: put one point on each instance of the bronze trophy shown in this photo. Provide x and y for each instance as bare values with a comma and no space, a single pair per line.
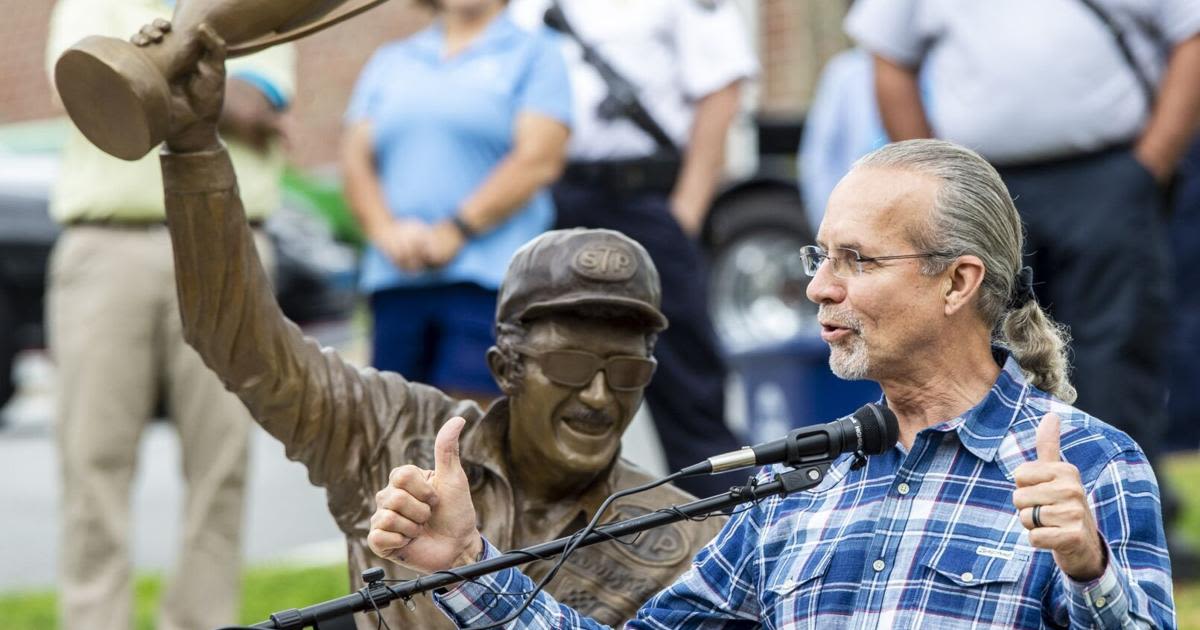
117,93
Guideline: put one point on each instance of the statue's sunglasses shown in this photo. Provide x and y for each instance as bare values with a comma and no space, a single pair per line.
577,368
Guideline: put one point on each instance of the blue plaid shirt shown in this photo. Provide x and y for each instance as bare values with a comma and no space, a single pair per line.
920,538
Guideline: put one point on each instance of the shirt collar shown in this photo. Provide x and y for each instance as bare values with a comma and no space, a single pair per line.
431,41
486,440
983,427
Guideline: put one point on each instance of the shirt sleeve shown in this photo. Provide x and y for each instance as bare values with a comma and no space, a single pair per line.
1135,589
718,591
721,589
713,46
1178,20
366,89
888,28
329,414
545,87
487,600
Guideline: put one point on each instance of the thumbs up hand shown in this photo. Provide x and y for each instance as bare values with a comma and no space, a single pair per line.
1051,490
424,519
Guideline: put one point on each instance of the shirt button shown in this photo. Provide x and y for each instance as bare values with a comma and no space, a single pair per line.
878,565
1100,602
968,576
902,488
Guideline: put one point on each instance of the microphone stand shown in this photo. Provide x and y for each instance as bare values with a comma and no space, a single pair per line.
337,614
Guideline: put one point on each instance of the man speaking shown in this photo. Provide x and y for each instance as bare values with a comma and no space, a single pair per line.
1001,506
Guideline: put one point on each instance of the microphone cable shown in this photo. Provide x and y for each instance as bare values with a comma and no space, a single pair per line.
576,538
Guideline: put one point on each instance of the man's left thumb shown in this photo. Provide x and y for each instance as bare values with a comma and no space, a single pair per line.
1048,440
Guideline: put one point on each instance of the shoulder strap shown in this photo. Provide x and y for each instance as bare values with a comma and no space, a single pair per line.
622,99
1126,52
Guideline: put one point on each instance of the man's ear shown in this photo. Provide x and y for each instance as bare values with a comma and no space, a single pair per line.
963,280
501,370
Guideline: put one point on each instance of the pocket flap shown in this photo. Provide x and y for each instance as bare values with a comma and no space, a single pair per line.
971,564
807,567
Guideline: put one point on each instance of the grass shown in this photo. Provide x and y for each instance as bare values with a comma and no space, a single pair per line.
266,590
1185,474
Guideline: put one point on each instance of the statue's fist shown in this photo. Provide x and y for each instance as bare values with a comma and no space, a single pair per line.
197,90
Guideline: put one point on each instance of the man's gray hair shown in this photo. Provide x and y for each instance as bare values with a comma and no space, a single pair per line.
974,214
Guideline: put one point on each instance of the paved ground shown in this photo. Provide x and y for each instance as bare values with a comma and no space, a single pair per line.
286,518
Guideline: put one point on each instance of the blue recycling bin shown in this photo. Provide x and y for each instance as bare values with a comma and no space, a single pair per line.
789,385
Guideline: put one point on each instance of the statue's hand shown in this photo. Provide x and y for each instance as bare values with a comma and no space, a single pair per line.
197,92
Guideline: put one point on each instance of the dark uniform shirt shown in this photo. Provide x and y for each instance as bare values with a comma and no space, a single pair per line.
350,426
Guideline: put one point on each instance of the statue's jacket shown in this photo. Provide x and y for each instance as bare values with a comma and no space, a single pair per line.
351,426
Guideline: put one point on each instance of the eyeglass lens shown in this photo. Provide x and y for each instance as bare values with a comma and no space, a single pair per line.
576,369
841,260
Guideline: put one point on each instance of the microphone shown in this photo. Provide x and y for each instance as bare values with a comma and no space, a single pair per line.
871,430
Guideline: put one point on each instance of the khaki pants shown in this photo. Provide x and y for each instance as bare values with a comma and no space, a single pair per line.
115,337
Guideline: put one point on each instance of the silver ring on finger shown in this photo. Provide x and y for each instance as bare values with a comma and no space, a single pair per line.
1037,516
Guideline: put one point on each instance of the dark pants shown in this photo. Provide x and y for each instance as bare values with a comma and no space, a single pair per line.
1098,248
437,335
687,395
1184,370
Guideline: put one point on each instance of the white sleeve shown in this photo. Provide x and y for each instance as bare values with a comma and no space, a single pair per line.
528,13
888,28
713,46
1178,20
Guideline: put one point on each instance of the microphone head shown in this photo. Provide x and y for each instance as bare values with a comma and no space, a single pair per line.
880,429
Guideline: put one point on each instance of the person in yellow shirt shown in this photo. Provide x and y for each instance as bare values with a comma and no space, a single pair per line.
115,336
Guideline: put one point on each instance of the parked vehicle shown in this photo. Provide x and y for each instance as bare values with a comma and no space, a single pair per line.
766,325
315,273
753,234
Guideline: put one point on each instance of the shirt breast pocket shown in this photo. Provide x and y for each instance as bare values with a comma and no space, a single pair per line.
979,568
792,590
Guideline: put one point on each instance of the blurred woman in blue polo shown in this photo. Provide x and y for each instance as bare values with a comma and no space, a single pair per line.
452,135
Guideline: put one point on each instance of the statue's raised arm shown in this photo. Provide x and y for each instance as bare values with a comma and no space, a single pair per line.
319,406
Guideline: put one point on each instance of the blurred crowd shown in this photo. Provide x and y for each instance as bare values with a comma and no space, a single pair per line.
501,120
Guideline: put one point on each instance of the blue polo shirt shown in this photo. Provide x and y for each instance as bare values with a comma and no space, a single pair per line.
440,125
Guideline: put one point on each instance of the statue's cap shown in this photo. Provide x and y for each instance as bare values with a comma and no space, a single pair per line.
583,271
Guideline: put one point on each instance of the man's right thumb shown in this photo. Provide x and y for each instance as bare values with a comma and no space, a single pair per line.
445,448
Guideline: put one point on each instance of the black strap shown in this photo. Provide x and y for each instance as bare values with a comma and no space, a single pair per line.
1126,52
622,98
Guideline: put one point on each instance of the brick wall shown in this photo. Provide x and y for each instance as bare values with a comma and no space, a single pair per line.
797,36
328,64
24,87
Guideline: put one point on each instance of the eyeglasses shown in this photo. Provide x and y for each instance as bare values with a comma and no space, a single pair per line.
846,262
576,368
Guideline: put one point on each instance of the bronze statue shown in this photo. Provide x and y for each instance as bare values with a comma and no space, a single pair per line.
117,93
577,317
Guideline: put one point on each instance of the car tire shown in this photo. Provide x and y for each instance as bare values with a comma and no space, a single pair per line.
756,290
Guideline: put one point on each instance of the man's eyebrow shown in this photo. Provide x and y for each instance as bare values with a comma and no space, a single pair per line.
855,245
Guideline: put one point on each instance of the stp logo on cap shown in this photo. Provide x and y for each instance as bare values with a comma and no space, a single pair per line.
606,263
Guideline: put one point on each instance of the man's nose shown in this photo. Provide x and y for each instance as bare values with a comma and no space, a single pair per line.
825,288
596,395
